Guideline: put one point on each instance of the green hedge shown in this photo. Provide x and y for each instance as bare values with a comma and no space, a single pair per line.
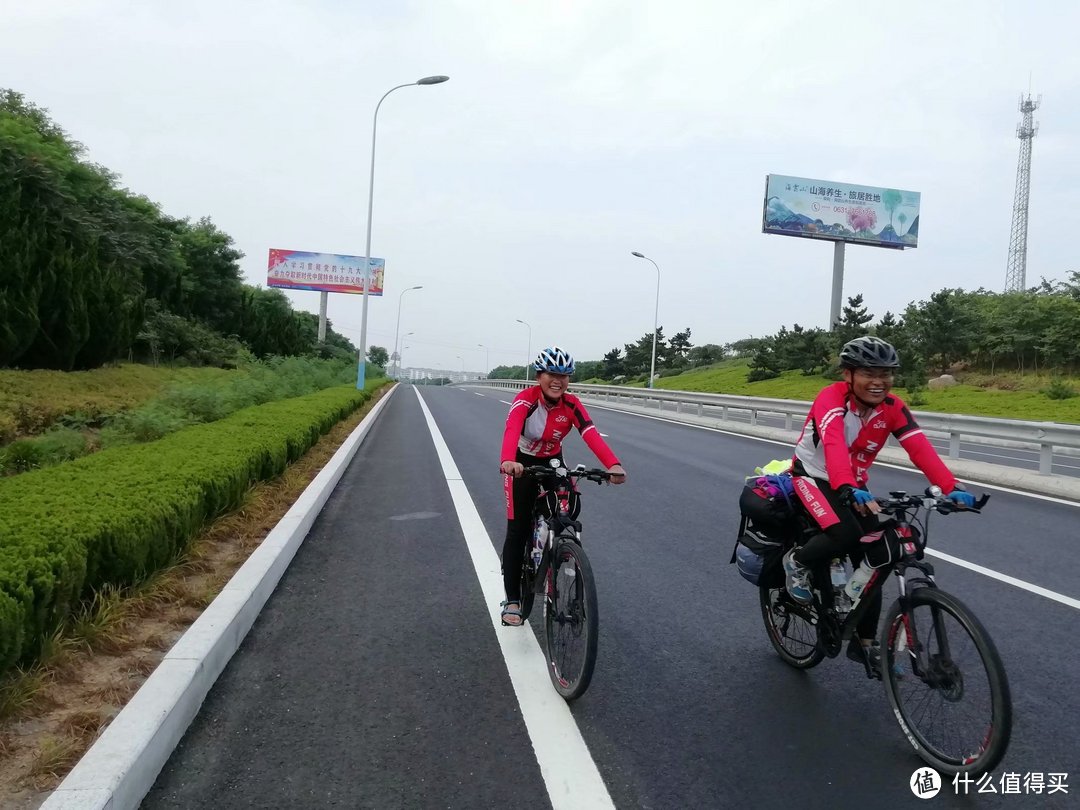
123,513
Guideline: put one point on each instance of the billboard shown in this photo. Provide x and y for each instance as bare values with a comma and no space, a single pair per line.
324,272
817,209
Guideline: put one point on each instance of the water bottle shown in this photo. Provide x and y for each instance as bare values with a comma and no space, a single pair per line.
858,581
839,577
539,536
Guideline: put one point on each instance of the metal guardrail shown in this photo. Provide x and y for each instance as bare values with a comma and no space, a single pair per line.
1046,436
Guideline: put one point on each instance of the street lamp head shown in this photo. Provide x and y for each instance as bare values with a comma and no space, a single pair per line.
417,287
635,253
433,80
520,321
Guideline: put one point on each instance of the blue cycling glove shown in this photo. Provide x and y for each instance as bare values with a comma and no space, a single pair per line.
861,496
963,498
850,494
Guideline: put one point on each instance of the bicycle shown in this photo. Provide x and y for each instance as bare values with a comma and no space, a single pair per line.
555,565
922,662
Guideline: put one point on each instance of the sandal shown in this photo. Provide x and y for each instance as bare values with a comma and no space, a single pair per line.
511,613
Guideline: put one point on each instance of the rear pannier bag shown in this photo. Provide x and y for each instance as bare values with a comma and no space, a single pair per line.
757,555
767,523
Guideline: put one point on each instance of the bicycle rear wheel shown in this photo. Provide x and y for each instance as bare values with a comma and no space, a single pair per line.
946,683
571,623
790,629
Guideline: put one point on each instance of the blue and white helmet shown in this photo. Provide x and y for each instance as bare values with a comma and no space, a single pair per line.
554,360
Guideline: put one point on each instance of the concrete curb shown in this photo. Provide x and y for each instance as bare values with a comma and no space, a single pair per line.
975,471
120,768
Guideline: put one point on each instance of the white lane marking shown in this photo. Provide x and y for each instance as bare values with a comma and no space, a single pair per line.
791,444
504,402
603,434
1019,583
478,393
570,774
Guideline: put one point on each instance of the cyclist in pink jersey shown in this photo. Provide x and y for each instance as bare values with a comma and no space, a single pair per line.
847,426
539,420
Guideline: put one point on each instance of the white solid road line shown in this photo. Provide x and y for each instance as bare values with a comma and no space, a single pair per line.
1019,583
569,772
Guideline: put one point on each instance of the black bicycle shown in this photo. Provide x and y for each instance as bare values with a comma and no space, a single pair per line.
945,680
555,566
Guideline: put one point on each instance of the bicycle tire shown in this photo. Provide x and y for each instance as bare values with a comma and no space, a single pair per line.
570,613
801,653
954,681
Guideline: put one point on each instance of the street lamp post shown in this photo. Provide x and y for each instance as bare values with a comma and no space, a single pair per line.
487,356
402,351
361,371
462,359
528,351
397,329
656,314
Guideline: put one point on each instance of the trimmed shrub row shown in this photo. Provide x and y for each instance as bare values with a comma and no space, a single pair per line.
123,513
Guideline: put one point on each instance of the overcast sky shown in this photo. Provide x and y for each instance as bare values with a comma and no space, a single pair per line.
572,132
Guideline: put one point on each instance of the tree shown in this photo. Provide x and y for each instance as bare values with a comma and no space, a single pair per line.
378,356
706,354
943,328
765,364
639,354
811,350
211,286
613,364
853,320
678,348
745,347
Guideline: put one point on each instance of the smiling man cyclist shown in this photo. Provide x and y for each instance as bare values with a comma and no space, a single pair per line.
848,424
540,418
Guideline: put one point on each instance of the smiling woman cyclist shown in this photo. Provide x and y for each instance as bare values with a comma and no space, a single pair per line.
848,424
540,418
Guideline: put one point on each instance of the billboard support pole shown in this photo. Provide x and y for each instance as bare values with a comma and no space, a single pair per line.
837,283
322,316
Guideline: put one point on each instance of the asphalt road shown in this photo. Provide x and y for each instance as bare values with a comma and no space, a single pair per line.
374,678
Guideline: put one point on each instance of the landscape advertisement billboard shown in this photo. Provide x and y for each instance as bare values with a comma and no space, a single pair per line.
819,209
324,272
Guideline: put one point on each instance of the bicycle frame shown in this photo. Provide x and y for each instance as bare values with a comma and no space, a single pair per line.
903,511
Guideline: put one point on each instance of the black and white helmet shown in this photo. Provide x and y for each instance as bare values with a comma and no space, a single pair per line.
868,352
554,360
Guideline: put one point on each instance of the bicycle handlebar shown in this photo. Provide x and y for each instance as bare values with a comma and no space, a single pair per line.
937,502
544,472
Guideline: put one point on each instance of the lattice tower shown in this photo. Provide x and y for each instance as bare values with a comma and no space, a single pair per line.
1026,130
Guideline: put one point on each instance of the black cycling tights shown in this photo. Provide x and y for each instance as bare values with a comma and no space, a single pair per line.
839,540
519,528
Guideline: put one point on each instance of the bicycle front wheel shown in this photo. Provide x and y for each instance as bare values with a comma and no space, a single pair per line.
571,623
946,683
528,579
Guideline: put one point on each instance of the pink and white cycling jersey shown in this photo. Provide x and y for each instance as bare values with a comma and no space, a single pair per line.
838,445
537,428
